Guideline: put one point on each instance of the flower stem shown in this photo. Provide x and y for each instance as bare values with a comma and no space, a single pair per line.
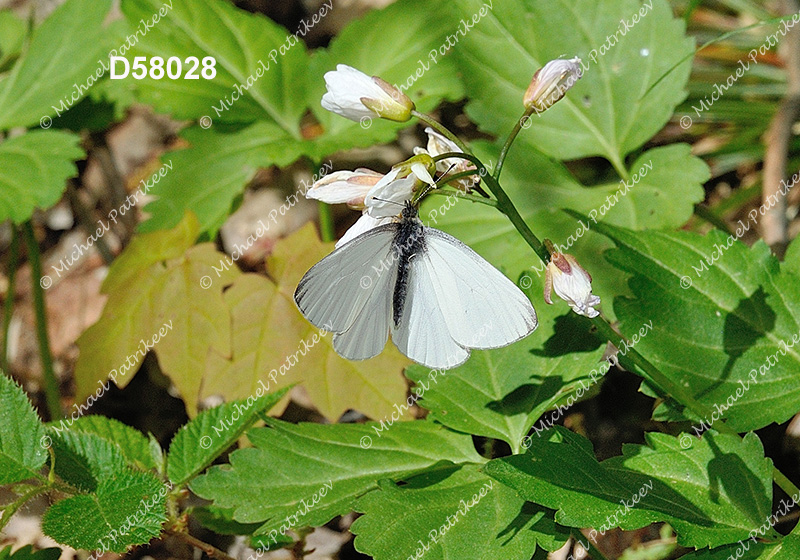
326,226
440,128
510,140
8,307
52,397
471,197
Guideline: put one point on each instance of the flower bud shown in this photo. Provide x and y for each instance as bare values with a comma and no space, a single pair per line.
356,96
571,283
551,82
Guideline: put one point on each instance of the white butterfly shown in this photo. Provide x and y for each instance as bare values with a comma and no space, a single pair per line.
437,296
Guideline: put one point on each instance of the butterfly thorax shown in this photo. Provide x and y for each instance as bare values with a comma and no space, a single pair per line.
409,240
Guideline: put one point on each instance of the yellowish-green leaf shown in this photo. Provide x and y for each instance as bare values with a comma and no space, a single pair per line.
156,295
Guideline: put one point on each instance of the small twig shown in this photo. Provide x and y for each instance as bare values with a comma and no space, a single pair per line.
87,222
8,309
210,550
50,383
777,138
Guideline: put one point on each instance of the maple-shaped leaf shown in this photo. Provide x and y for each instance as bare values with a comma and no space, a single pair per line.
272,344
158,291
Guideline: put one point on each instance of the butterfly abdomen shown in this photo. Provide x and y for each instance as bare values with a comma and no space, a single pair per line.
408,241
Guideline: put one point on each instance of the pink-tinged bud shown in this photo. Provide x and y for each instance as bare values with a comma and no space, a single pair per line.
551,82
571,283
356,96
345,187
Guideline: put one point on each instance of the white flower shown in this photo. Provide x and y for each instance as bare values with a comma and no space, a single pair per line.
345,187
571,283
355,96
439,144
362,225
390,194
551,82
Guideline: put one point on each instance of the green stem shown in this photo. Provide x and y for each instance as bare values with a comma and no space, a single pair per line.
510,140
471,197
704,212
11,509
326,226
52,397
8,308
440,128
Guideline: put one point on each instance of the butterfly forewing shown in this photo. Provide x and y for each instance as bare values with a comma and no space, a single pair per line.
332,294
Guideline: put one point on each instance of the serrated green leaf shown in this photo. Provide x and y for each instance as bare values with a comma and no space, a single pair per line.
751,549
730,336
65,50
458,512
611,110
500,393
27,553
713,491
21,451
133,444
128,508
213,431
292,466
85,459
34,168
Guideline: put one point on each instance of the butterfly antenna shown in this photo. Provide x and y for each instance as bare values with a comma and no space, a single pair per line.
389,201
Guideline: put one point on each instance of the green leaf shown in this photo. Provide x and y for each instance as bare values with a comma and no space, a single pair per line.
713,491
13,31
34,168
229,161
611,110
500,393
27,553
662,197
213,431
318,471
85,459
457,512
751,549
133,444
221,521
127,509
21,451
730,336
239,42
64,59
